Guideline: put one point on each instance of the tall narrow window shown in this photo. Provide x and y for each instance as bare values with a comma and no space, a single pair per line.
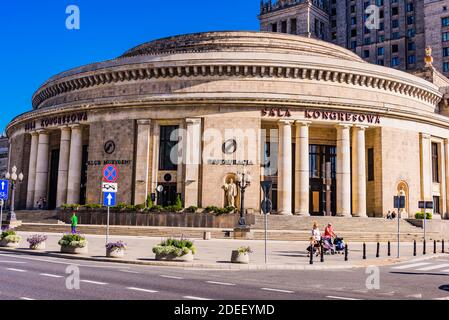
168,142
371,164
293,26
435,163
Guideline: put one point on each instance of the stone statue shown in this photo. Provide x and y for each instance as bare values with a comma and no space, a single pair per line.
231,193
403,211
428,59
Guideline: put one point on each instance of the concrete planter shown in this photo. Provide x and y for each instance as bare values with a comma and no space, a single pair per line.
170,257
6,244
74,250
115,253
39,246
238,257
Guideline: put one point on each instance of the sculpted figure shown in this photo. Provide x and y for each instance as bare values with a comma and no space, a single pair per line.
231,193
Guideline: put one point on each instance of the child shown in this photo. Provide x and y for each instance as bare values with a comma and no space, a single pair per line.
74,222
312,245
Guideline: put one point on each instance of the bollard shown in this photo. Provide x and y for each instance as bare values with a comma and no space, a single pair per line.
311,254
207,235
424,247
364,251
322,252
378,250
434,247
442,246
346,252
389,248
414,248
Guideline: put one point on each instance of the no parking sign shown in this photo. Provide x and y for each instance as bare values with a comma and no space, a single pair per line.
110,173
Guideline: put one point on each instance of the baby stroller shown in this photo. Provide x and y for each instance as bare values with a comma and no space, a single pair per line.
339,245
328,247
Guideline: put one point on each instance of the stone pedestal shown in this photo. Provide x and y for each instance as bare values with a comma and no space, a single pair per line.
243,233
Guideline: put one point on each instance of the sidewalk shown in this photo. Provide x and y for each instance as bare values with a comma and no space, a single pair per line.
216,254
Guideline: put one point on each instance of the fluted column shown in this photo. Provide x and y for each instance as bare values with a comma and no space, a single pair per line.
343,171
302,170
63,170
426,167
285,167
40,186
192,160
32,170
142,161
358,172
74,176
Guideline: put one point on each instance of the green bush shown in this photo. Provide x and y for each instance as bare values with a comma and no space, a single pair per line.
149,202
93,206
73,240
74,206
177,247
420,215
121,206
192,209
10,236
7,233
157,208
140,207
210,209
178,203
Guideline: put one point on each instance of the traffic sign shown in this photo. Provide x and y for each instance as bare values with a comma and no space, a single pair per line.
109,187
425,204
110,173
266,206
109,199
4,187
399,202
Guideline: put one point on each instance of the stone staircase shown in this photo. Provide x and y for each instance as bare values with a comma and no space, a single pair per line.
37,216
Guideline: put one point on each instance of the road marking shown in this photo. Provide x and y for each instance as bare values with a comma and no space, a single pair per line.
221,283
446,270
142,290
277,290
416,296
25,298
341,298
437,266
16,270
444,298
129,271
413,265
50,275
195,298
15,262
171,277
93,282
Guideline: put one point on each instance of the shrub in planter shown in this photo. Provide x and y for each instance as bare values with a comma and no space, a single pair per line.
37,241
157,208
140,207
115,249
175,250
93,206
149,202
241,255
191,209
73,243
420,215
71,207
9,238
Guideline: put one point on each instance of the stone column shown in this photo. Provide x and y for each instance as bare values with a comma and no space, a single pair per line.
285,168
155,157
32,170
445,160
426,167
63,170
302,170
40,187
358,172
343,171
192,160
76,154
142,161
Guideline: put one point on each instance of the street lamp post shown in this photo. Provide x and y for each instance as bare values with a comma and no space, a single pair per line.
13,177
243,182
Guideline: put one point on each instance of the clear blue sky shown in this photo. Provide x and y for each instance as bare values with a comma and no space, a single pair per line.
37,45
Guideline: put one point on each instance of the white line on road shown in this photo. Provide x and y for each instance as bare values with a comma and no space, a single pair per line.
25,298
444,298
142,290
413,265
437,266
195,298
93,282
129,271
50,275
221,283
15,262
341,298
277,290
16,270
170,277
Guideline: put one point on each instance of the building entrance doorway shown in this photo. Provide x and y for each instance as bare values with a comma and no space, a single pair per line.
53,185
168,195
322,159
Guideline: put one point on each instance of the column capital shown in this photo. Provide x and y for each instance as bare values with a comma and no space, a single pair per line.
144,121
286,122
34,133
344,125
360,127
193,120
425,135
303,123
75,126
65,128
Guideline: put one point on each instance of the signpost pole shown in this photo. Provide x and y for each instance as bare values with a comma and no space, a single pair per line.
266,237
1,213
399,239
107,229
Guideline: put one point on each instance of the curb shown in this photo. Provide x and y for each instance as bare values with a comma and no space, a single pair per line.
227,266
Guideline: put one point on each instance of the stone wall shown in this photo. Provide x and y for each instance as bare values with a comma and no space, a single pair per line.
20,158
123,134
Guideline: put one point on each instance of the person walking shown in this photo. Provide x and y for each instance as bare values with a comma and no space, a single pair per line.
74,222
316,234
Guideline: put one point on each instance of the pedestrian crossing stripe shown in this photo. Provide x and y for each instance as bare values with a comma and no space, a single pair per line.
413,265
433,267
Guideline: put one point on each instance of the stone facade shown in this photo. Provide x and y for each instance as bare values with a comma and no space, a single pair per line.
238,102
4,150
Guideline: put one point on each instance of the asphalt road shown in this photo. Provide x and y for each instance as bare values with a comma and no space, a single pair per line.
44,278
